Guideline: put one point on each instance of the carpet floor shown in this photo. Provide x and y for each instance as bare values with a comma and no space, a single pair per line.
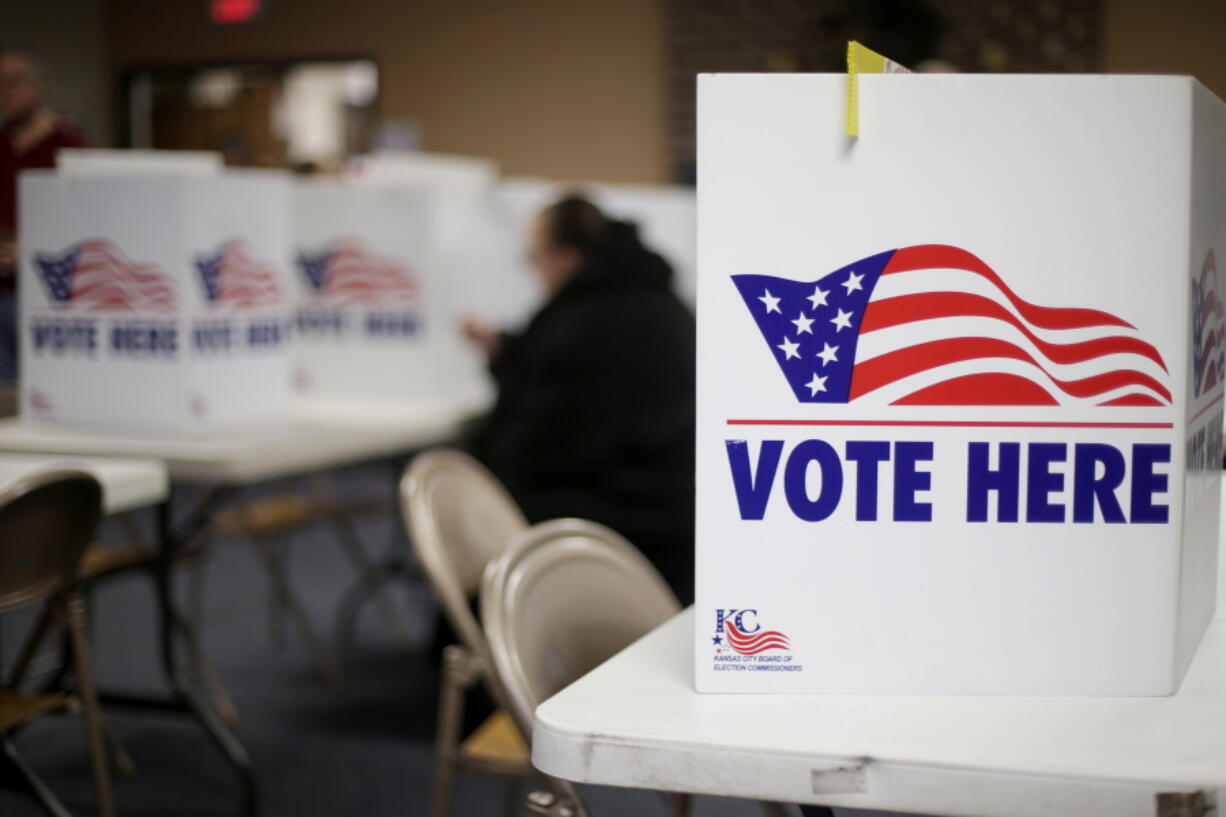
365,751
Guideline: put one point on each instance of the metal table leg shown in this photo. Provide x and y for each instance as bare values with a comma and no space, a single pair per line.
170,622
375,577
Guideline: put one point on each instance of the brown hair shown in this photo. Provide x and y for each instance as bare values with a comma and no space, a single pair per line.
573,221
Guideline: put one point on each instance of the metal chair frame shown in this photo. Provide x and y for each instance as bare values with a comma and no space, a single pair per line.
46,522
509,588
453,563
267,523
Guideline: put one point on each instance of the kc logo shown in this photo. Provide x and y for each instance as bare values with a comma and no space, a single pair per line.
738,617
740,632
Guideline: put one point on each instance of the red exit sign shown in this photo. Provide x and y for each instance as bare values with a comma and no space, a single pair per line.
234,12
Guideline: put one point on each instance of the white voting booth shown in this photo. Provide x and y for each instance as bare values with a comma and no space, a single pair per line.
107,162
370,299
666,217
463,246
959,383
478,228
154,294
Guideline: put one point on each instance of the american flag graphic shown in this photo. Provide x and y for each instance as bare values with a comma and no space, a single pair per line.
1207,329
752,644
95,275
234,277
934,325
346,273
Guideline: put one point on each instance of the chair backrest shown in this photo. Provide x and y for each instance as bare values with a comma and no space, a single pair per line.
565,597
46,521
459,518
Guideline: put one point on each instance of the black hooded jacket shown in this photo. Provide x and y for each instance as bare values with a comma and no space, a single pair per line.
595,410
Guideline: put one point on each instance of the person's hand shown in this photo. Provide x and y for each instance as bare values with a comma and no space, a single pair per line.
8,259
482,335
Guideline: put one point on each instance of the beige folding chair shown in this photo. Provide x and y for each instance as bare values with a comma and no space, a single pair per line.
459,518
46,521
565,597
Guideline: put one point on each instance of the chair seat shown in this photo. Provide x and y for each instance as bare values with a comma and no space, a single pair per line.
16,708
279,512
497,740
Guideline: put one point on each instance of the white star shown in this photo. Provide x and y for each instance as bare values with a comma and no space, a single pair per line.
827,354
841,321
803,324
789,349
818,298
853,282
772,303
816,384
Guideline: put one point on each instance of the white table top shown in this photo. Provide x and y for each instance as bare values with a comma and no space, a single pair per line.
126,484
636,721
317,437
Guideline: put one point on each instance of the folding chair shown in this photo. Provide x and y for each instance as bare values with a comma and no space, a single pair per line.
459,518
46,522
567,596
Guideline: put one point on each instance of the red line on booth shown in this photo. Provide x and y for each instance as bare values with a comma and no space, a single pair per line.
1197,415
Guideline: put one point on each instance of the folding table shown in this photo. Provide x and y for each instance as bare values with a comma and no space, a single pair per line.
127,484
316,438
637,721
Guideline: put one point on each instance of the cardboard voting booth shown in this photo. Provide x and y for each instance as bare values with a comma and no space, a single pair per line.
463,246
666,216
371,305
959,383
154,301
105,161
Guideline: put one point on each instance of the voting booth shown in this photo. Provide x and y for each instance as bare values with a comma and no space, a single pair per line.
666,216
154,299
371,303
463,243
959,383
110,162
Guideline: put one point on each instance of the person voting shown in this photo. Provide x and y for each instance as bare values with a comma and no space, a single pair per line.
594,416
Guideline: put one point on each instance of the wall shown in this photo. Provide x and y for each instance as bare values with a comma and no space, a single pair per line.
67,34
802,35
577,89
548,87
1170,37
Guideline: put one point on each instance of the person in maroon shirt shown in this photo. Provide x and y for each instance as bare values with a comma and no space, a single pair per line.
31,134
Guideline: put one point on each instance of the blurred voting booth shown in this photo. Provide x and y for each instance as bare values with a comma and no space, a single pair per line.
463,248
370,300
666,216
102,161
153,293
162,291
960,383
477,233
